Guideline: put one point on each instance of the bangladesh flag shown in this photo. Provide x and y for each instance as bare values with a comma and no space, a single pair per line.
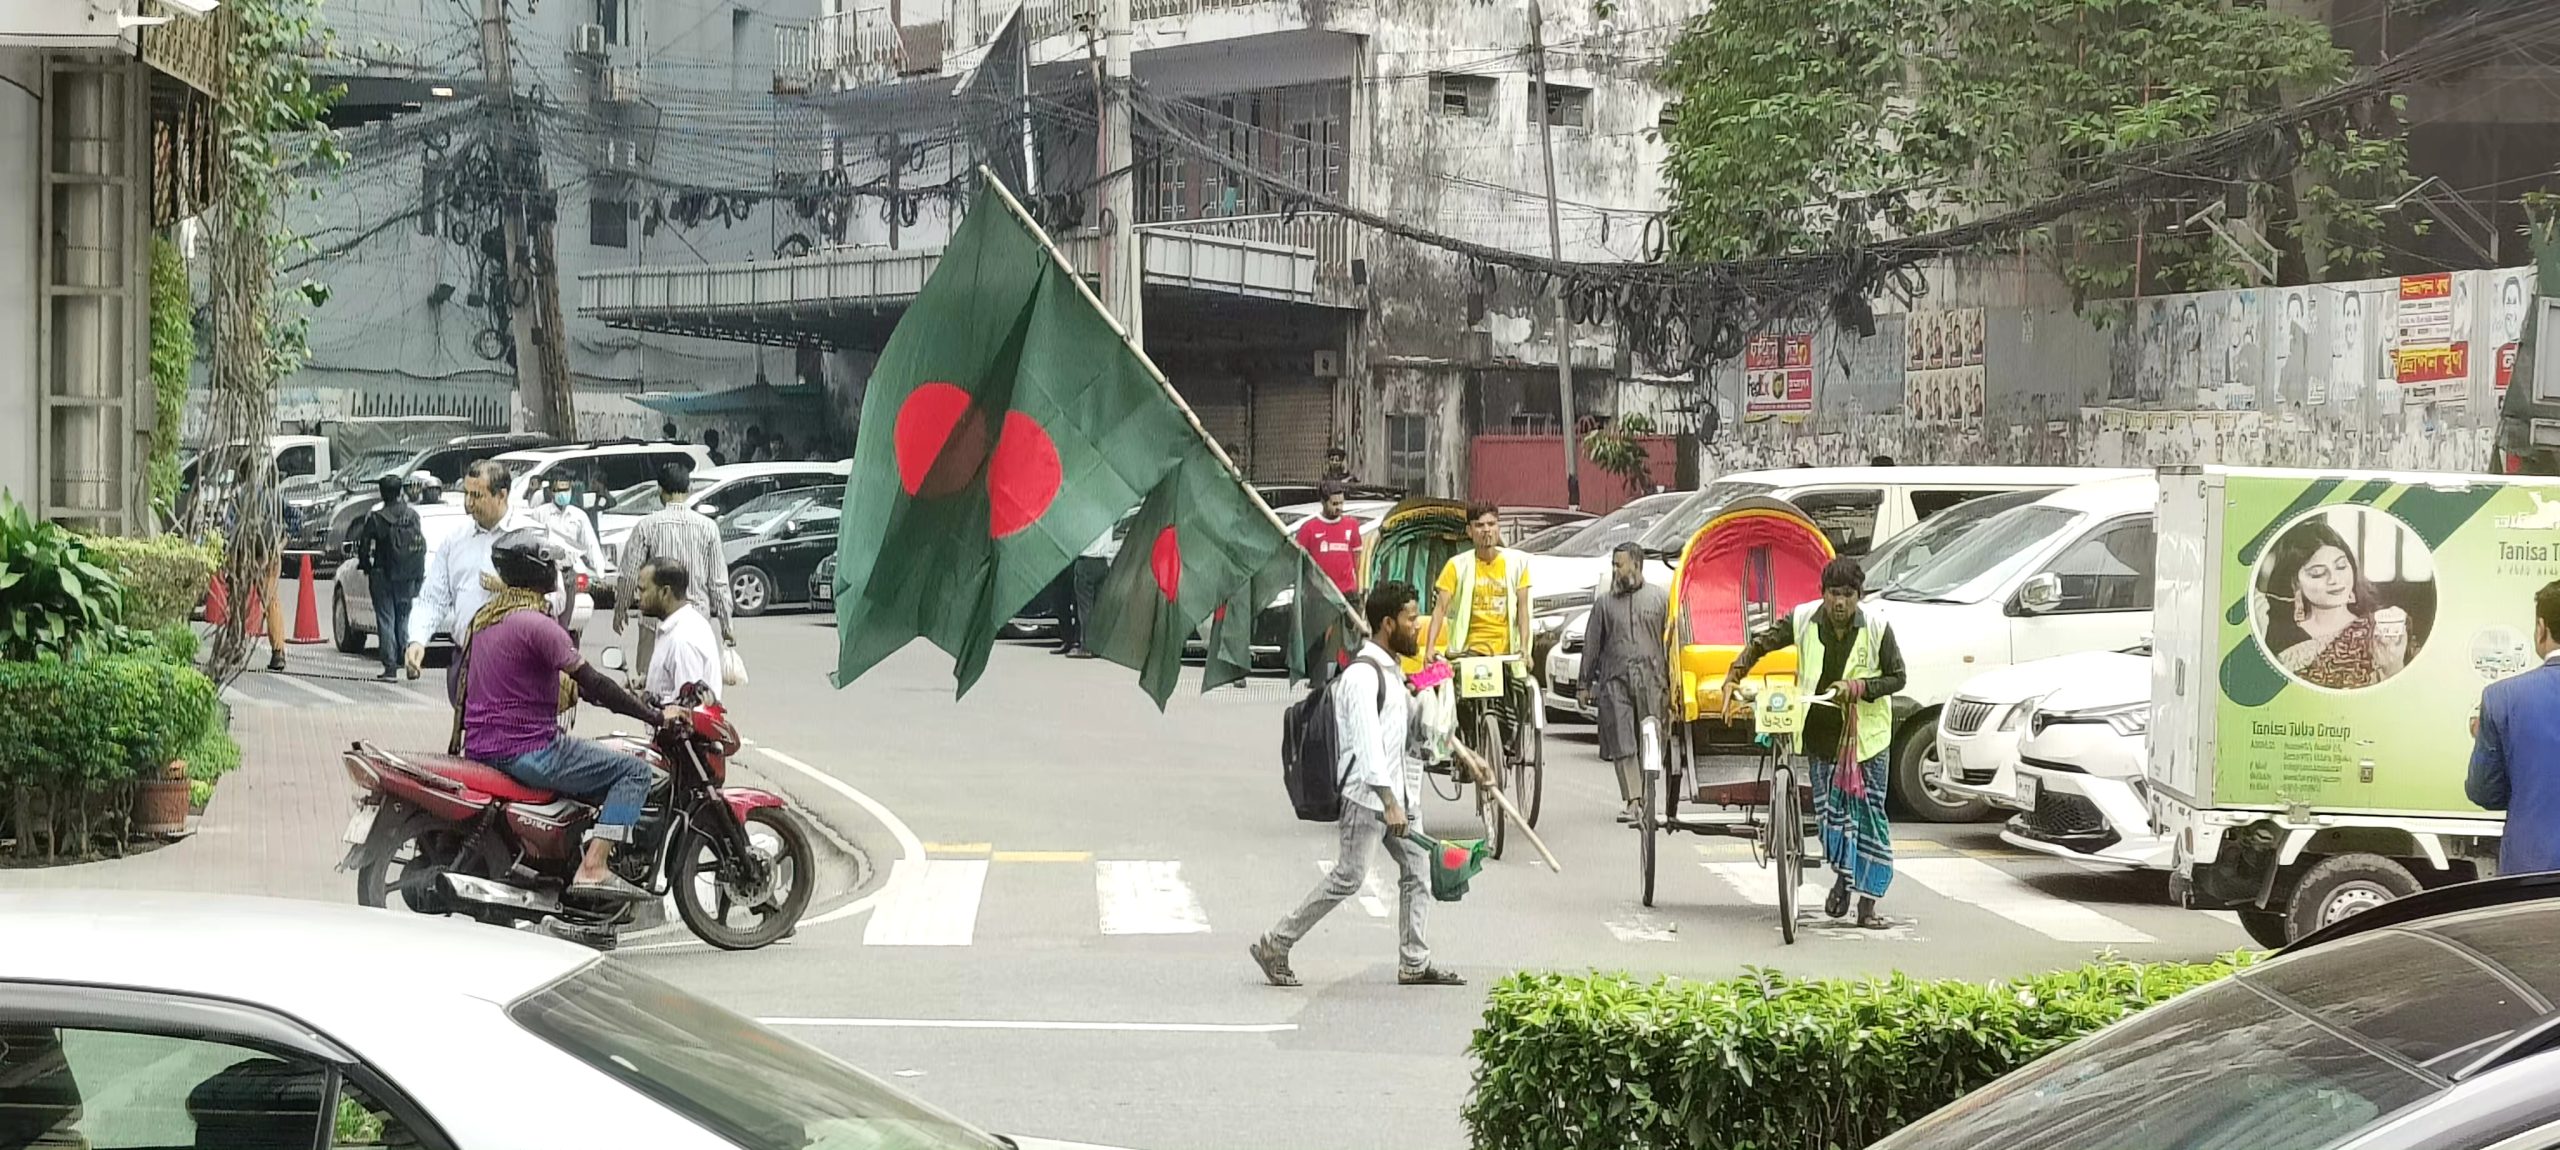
1195,543
1006,426
1308,616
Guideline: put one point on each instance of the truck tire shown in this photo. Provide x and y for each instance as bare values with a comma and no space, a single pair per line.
2341,886
2265,927
1917,753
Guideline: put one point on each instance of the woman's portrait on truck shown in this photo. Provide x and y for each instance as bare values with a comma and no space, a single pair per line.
2346,597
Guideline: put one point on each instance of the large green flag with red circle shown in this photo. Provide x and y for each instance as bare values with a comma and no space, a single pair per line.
1191,551
1006,426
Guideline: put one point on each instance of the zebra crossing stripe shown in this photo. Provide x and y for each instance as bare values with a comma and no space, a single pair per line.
930,902
1983,885
315,690
1373,895
1758,884
1147,897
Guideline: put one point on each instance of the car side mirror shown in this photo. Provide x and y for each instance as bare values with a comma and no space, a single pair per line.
2041,593
612,659
790,530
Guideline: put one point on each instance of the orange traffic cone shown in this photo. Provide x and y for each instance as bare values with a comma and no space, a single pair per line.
217,602
306,623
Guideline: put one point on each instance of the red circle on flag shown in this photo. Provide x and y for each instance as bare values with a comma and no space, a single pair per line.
940,440
1166,562
1452,856
1024,477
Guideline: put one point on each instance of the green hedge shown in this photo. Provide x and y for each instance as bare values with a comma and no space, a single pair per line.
1769,1062
82,732
164,578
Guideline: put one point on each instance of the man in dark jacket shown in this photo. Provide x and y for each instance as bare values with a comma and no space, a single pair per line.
1625,667
390,548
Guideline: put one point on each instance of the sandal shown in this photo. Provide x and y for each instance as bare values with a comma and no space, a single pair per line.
1836,904
610,888
1868,919
1428,976
1274,964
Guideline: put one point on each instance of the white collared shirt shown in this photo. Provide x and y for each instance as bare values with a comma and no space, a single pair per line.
452,593
575,533
687,651
1375,732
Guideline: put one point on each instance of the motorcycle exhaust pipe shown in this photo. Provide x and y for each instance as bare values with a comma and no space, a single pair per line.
488,893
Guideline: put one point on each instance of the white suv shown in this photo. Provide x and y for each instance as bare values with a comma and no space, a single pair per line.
597,469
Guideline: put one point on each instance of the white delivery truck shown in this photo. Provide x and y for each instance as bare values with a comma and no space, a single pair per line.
2321,642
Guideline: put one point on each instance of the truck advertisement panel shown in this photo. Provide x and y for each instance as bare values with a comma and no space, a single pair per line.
2359,619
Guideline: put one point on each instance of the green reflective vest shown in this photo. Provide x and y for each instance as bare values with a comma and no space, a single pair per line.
1875,716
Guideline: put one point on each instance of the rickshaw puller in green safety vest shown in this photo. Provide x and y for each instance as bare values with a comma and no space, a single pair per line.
1839,645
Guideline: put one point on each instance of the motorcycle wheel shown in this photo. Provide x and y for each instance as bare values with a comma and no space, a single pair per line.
711,906
421,849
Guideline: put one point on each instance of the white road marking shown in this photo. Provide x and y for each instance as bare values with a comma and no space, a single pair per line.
932,902
2229,916
1758,884
1147,897
241,696
1983,885
909,847
317,691
1639,926
1373,896
1003,1024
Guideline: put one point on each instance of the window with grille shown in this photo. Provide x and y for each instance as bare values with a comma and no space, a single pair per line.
1564,105
1408,452
1457,94
608,223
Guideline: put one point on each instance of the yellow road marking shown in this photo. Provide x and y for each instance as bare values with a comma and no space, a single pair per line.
1044,856
958,848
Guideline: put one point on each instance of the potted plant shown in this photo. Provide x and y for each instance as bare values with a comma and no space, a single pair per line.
161,806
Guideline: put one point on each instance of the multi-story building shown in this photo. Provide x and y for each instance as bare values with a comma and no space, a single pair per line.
1288,326
645,110
104,120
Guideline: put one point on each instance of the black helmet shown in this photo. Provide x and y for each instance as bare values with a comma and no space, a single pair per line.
525,558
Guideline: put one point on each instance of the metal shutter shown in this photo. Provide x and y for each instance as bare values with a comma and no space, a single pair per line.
1219,402
1292,426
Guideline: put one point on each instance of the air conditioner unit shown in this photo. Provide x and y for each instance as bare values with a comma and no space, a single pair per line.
590,41
622,85
1328,365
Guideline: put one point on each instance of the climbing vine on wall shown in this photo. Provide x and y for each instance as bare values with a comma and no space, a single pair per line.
1804,125
173,353
270,123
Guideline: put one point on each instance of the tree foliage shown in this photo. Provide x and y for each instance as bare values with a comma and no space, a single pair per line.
1812,124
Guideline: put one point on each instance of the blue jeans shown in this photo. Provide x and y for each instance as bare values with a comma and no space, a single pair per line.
391,601
574,766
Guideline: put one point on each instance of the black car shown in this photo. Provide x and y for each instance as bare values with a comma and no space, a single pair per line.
352,489
2424,1024
774,544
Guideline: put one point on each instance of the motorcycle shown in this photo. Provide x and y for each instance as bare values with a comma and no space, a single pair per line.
448,836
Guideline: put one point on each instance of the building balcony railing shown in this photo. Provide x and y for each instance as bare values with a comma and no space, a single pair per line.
1337,243
864,45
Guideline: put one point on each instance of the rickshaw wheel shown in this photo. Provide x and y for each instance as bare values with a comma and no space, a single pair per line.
1497,763
1531,771
1786,844
1649,830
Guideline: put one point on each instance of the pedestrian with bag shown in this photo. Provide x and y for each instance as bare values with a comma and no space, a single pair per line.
391,549
1851,653
1379,792
1626,668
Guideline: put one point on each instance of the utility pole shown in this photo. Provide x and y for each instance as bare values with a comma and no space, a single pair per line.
1113,154
542,364
1539,105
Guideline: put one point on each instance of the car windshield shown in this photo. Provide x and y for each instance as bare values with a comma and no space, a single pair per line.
638,499
766,512
1932,537
1625,525
363,470
1671,532
748,1084
1985,559
2224,1068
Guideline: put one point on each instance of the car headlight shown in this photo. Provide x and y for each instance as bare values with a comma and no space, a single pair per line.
1545,625
2131,722
2018,712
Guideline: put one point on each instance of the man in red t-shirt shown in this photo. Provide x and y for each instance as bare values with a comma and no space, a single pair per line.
1334,540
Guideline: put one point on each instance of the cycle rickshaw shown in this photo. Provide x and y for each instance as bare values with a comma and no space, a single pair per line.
1755,559
1416,539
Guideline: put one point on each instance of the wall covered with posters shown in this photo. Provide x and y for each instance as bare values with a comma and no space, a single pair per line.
2402,372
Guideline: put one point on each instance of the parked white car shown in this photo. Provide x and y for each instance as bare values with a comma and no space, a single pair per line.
1980,730
352,620
1565,699
281,1022
2068,573
2080,769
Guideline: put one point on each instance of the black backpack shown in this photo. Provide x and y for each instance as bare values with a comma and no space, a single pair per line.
403,549
1311,751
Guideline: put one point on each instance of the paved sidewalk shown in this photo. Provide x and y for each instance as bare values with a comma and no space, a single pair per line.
273,825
